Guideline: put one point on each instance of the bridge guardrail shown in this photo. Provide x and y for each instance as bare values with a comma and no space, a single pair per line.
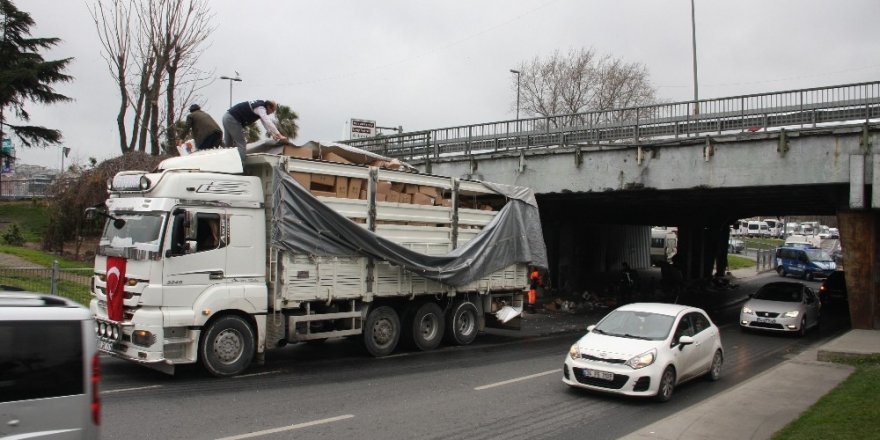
811,107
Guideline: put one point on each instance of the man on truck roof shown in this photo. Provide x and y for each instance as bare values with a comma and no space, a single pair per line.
246,113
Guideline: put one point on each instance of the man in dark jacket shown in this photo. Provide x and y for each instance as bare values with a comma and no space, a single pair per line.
246,113
204,128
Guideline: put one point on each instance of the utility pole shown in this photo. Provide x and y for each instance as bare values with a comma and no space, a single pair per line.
517,97
694,41
231,79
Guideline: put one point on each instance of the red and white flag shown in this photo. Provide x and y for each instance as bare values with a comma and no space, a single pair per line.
115,287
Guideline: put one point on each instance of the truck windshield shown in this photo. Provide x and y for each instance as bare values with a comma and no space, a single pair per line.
139,238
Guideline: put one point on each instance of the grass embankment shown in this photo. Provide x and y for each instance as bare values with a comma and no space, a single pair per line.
31,219
763,243
849,411
30,216
736,262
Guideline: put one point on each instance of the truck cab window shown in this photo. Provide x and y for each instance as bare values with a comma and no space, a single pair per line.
209,234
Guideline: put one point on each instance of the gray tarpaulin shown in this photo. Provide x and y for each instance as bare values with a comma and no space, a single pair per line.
301,223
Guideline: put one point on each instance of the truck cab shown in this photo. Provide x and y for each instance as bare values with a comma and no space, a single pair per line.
180,246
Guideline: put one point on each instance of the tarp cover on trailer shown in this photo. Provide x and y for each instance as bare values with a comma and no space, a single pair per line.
301,223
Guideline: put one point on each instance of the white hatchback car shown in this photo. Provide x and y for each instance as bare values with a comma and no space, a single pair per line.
781,306
645,349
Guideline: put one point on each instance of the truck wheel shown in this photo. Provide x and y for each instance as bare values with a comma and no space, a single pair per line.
227,346
426,326
462,323
381,331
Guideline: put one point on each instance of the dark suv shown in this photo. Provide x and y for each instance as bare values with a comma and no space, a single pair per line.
833,289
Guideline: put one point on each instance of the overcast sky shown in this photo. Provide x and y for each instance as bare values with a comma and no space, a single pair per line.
428,64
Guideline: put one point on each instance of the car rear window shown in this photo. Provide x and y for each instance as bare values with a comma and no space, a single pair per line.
40,359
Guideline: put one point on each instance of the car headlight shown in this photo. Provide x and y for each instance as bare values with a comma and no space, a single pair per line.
792,314
747,310
642,360
574,352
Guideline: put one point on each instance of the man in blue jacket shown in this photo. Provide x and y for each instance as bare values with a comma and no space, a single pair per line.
246,113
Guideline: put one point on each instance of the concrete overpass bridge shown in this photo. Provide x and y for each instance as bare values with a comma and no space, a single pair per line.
695,165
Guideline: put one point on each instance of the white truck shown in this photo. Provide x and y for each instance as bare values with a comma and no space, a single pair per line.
212,260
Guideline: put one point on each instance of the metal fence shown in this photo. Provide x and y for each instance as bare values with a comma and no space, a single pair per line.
802,108
69,283
18,188
765,260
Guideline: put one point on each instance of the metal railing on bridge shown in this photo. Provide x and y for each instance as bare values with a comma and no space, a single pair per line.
651,124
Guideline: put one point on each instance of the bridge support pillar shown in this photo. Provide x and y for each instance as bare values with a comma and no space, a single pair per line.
859,234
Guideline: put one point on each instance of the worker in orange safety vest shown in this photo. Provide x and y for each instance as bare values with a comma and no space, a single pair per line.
534,283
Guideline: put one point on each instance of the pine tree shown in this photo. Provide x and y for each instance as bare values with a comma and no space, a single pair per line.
26,77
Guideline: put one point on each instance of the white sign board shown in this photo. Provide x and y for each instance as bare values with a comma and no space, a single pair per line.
362,128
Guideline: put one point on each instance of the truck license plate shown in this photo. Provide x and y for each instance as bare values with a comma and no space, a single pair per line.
105,345
604,375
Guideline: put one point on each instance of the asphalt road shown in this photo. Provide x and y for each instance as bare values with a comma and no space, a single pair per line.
499,387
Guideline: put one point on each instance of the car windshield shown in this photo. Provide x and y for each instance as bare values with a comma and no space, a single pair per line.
780,292
635,324
817,255
141,233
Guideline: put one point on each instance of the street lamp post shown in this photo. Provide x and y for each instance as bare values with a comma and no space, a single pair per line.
231,79
694,45
517,96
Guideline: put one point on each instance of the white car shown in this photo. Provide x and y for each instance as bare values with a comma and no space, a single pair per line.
781,306
645,349
49,368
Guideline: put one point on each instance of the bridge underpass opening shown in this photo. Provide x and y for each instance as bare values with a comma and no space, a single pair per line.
590,235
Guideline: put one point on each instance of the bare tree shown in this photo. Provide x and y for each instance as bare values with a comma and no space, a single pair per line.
581,81
152,48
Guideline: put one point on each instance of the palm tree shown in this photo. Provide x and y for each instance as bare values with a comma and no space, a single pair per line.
285,121
252,133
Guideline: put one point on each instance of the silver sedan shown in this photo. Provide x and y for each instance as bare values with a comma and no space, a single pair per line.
781,306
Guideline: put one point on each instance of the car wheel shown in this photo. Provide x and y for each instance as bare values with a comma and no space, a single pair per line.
803,330
667,385
715,369
227,346
381,331
781,271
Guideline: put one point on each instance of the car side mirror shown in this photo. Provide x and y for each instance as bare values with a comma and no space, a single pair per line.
685,340
591,327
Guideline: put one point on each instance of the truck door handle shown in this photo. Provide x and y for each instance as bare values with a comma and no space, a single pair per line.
216,275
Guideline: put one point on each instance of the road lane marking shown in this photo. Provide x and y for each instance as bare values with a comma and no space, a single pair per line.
288,428
256,374
121,390
518,379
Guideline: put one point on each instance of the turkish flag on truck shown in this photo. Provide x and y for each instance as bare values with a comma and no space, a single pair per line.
115,287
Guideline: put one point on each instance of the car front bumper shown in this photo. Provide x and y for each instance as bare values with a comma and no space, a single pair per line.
779,324
582,373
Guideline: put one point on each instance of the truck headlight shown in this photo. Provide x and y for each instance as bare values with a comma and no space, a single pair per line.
143,338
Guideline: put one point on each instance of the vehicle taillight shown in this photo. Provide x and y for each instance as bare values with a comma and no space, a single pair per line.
96,398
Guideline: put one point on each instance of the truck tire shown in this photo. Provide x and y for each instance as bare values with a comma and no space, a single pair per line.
227,346
426,326
381,331
462,323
